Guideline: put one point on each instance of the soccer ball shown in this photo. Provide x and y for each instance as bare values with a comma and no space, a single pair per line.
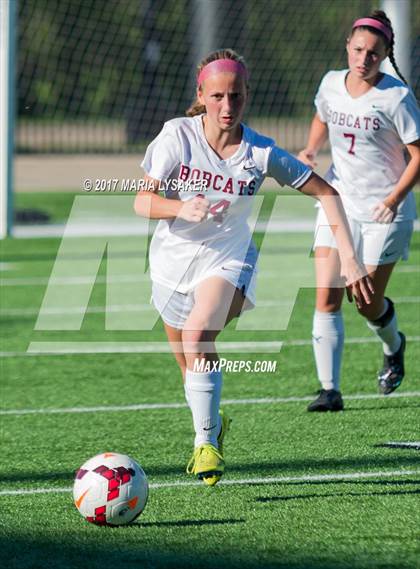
110,489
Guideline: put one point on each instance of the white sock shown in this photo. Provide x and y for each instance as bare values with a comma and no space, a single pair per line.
388,334
203,391
328,342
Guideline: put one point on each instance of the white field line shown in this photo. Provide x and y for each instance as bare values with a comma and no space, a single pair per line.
132,227
71,348
414,444
367,340
42,349
103,279
120,308
240,482
53,348
42,280
79,280
163,347
306,478
154,406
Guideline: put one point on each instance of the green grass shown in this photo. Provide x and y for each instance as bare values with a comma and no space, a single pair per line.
58,204
297,524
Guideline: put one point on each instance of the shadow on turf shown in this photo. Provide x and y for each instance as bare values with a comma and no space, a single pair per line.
381,407
91,550
409,481
190,523
284,467
335,495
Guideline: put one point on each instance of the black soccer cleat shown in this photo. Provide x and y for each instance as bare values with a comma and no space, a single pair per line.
328,400
392,374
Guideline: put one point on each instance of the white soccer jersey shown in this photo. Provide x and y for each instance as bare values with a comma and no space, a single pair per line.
180,155
367,136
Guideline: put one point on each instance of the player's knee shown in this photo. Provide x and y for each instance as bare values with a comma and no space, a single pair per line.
366,312
372,311
329,299
197,341
328,303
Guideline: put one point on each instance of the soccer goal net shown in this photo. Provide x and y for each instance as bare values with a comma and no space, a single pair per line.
103,75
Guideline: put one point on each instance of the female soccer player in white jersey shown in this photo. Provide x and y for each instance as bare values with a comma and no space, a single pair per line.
372,121
202,258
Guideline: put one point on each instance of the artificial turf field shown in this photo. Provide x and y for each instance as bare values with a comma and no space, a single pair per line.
300,491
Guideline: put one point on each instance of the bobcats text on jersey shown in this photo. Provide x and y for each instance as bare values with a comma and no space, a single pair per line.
352,121
217,182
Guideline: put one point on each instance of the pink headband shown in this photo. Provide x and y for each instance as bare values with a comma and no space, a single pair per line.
372,23
220,66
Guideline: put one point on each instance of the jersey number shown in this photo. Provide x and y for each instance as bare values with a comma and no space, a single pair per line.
219,209
352,141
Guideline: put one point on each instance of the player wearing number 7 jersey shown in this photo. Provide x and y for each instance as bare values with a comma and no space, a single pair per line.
372,121
202,258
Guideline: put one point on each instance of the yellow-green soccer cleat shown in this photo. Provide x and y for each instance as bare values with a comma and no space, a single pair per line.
207,464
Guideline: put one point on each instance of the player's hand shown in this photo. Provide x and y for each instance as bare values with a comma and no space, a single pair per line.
308,156
358,283
195,209
383,213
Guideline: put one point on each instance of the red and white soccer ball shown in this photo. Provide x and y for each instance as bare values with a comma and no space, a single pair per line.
110,489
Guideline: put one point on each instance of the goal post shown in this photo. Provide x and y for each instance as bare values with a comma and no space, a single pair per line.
7,69
399,12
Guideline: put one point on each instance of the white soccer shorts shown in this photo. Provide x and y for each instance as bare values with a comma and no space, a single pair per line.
375,243
175,307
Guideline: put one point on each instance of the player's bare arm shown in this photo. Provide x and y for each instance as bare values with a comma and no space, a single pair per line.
386,211
153,206
318,135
